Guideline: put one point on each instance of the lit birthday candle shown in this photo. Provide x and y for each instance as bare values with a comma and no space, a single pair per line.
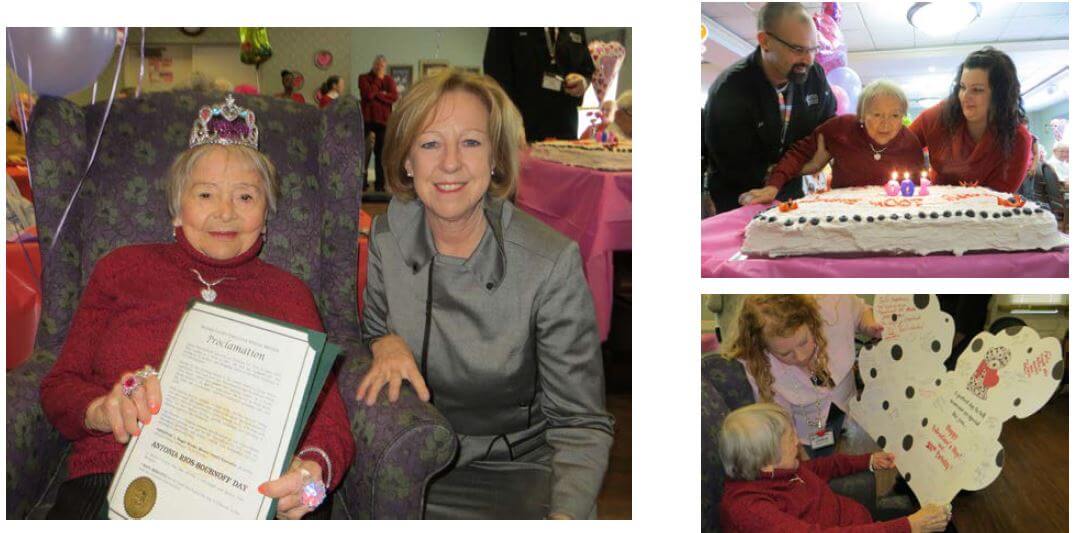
924,185
907,187
892,188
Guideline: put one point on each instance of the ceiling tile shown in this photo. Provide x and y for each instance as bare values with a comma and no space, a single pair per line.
1027,9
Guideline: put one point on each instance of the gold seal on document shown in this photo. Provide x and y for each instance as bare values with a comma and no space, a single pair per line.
140,497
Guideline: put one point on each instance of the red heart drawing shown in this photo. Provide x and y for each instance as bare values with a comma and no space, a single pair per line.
323,59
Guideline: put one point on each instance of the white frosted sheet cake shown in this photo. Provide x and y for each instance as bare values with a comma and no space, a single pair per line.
864,220
586,153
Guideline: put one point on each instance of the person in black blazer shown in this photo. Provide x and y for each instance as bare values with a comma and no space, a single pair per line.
744,129
546,71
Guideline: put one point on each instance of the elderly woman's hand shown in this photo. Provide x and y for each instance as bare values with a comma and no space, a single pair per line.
763,195
820,159
121,413
288,488
393,363
882,460
931,517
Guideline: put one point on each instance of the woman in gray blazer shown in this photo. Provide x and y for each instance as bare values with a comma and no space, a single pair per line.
484,311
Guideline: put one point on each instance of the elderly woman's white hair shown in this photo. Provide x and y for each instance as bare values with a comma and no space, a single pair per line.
1060,144
878,88
750,439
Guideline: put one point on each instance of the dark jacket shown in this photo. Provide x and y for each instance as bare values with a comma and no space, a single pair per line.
518,57
743,124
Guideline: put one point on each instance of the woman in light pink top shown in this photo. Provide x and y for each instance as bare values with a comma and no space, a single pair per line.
799,352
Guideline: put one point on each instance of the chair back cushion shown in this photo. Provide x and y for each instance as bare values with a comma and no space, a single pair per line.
724,388
318,156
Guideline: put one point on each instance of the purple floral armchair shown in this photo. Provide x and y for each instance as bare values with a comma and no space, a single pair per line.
319,157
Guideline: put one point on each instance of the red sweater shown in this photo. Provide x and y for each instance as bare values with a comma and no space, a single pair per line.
377,97
126,319
853,159
800,500
957,157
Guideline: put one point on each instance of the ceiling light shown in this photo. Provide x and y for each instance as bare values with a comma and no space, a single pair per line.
943,18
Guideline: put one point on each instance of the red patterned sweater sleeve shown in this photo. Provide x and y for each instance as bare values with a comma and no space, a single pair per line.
390,93
762,514
68,388
837,465
328,428
799,154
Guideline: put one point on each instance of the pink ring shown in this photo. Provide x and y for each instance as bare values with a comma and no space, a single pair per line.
130,385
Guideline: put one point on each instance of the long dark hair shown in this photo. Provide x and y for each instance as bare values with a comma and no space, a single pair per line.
1006,106
329,84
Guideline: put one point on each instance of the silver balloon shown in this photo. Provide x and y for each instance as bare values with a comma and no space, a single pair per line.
59,61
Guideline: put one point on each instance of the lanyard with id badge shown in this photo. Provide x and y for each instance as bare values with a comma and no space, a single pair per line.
822,436
552,80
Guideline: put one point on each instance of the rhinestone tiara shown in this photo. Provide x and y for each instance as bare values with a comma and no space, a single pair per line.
225,123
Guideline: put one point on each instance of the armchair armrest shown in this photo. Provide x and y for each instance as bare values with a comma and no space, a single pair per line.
399,446
35,450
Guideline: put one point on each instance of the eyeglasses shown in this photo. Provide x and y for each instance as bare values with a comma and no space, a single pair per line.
800,50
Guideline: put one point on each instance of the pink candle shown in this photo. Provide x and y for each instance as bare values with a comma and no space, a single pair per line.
892,188
924,185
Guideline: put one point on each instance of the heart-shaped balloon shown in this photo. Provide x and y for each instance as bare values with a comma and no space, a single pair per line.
608,58
323,59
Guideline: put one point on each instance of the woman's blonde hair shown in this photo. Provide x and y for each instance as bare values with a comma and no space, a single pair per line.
750,438
415,112
878,88
777,315
181,168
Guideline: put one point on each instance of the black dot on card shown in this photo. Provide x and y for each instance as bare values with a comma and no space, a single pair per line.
881,442
937,382
908,441
1029,350
1013,330
922,300
924,422
897,352
1016,402
910,392
873,372
894,317
1000,458
1059,370
907,476
935,346
885,405
976,345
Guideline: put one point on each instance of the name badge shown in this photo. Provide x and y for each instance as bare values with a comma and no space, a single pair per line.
811,99
822,440
552,82
576,37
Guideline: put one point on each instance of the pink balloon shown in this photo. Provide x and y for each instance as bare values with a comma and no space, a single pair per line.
843,102
833,52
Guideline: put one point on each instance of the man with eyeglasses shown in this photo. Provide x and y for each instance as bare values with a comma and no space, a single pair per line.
762,104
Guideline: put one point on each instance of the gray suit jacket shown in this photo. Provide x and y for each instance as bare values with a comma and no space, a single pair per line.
514,356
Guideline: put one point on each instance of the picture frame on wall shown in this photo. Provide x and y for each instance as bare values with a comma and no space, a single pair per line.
431,67
402,76
474,70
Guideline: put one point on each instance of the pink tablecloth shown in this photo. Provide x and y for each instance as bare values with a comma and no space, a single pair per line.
722,236
590,206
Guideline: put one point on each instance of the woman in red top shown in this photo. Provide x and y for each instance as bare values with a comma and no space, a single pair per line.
378,92
288,81
977,135
330,90
865,148
220,192
769,490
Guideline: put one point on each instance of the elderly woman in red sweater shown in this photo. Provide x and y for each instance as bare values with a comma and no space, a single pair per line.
220,191
977,134
865,148
768,489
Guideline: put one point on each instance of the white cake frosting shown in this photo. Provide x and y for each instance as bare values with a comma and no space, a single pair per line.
864,220
586,153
